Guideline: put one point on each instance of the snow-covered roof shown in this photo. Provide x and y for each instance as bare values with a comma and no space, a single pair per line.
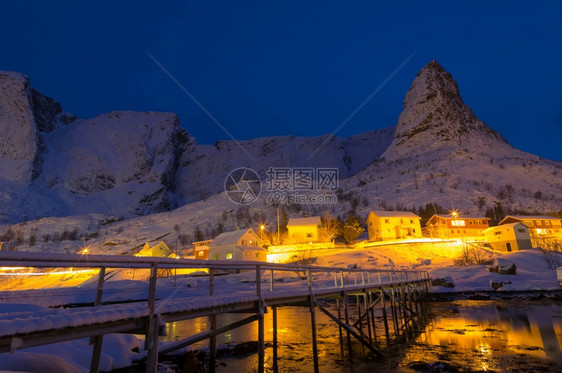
529,217
313,220
395,214
508,225
445,216
229,237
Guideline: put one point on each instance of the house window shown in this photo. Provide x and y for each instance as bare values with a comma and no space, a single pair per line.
401,221
497,233
258,255
228,255
215,257
520,230
247,253
458,223
546,222
201,253
414,230
411,221
309,235
386,221
452,231
528,223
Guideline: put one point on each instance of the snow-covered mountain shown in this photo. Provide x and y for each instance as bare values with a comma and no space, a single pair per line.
128,164
441,152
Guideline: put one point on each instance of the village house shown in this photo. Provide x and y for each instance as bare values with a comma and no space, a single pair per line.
243,244
509,237
160,250
390,225
538,225
201,249
456,226
304,230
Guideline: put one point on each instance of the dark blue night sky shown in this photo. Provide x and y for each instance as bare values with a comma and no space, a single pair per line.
266,68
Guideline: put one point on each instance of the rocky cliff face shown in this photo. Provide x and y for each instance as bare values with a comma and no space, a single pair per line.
121,163
435,117
19,144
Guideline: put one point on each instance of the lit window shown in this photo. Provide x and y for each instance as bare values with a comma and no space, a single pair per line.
258,255
228,255
546,222
215,257
201,253
247,253
458,223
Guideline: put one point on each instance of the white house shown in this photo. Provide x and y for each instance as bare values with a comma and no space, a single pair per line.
508,237
243,244
304,230
389,225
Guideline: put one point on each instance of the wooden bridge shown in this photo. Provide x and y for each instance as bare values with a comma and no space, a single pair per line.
397,294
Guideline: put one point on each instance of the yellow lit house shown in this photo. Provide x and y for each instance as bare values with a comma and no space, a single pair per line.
201,249
159,250
538,225
456,226
304,230
390,225
509,237
239,245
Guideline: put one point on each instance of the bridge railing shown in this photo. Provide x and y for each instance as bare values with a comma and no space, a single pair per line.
275,275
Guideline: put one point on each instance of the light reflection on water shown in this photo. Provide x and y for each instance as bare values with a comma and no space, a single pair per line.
471,335
492,336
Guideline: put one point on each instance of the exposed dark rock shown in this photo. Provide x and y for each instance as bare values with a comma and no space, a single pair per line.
443,281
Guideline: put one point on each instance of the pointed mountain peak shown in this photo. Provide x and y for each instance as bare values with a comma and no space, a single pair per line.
435,117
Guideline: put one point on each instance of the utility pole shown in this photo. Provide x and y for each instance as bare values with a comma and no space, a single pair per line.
278,225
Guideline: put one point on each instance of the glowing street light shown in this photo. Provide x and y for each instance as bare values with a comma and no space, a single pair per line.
262,228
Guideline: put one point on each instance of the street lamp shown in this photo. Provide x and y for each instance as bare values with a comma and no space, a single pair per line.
455,214
262,228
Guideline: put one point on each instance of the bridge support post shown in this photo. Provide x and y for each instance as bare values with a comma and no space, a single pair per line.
274,316
384,315
261,326
151,341
97,341
212,326
312,304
